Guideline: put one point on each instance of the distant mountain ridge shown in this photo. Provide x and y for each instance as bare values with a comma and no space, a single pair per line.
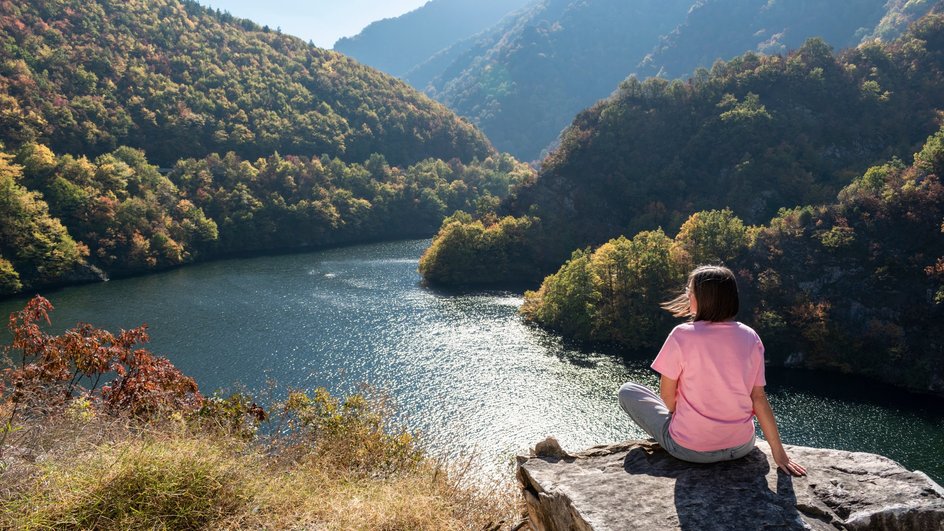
767,27
399,45
557,58
523,80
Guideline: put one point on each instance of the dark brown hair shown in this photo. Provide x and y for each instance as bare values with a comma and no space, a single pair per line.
716,295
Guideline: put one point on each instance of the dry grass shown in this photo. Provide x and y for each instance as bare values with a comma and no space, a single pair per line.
81,472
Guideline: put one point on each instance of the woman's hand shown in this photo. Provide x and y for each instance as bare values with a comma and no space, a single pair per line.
768,425
788,465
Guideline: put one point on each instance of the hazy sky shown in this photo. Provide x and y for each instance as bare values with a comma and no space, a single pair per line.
322,21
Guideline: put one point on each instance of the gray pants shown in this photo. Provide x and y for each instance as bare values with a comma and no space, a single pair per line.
648,411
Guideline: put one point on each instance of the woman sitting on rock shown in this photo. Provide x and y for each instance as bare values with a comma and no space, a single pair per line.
712,383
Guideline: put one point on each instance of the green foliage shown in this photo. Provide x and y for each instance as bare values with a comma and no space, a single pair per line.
319,150
234,415
746,111
633,277
9,278
900,13
525,79
753,135
180,80
613,294
36,247
349,433
567,299
712,237
129,217
857,279
931,158
853,285
472,252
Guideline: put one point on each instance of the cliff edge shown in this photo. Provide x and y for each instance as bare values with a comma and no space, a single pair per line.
637,485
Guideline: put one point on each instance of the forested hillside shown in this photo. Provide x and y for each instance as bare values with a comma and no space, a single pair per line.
141,135
523,81
526,80
772,27
398,45
853,285
754,134
123,216
179,80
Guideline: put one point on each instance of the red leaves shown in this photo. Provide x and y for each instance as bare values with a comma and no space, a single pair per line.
27,337
148,384
52,369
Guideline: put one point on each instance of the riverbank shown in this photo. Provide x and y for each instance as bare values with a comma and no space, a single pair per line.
93,275
354,315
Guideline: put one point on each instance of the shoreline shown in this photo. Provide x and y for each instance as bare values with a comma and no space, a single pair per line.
122,275
615,350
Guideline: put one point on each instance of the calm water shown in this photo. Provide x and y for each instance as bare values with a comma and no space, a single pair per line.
463,369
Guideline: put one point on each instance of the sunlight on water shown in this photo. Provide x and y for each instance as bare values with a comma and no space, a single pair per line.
463,369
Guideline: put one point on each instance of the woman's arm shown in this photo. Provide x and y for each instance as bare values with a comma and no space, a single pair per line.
667,389
768,425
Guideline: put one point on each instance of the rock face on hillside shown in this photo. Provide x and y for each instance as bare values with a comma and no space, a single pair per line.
637,485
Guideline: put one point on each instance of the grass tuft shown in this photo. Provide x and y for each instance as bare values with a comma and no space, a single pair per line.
150,482
100,472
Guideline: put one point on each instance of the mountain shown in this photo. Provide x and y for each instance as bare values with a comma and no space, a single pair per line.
721,29
398,45
141,135
523,81
179,80
755,134
855,285
533,74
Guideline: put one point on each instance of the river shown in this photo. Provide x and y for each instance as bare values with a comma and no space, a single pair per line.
463,369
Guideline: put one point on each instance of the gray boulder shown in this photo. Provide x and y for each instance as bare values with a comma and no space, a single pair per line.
637,485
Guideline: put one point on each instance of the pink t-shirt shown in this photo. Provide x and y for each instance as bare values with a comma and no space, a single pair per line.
716,365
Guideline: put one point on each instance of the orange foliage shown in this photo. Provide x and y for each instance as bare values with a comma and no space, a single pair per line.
49,370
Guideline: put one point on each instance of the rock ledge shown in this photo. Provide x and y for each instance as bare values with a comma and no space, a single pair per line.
637,485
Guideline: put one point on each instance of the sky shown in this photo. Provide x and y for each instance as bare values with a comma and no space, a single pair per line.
321,21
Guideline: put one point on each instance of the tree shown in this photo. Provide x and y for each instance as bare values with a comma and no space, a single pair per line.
711,237
91,362
37,244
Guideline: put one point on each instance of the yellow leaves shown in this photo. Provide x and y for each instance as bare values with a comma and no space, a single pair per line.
711,237
837,237
611,294
297,400
80,410
9,278
33,237
9,169
37,158
467,251
748,110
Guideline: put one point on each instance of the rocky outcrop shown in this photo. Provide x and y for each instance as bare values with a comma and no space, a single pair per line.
637,485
